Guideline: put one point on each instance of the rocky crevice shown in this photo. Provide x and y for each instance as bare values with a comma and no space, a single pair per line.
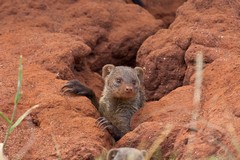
66,40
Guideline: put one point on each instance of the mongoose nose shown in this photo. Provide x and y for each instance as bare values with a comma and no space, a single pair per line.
128,89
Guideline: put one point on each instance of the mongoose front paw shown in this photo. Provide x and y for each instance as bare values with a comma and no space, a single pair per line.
75,87
103,123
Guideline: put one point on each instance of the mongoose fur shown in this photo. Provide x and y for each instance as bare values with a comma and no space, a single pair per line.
122,96
126,153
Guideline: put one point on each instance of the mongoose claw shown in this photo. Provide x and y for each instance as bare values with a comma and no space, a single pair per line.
103,123
66,90
75,87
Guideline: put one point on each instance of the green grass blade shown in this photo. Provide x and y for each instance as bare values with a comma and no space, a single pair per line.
6,118
18,93
16,100
21,118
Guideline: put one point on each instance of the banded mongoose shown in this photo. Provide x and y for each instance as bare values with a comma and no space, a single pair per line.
126,153
122,96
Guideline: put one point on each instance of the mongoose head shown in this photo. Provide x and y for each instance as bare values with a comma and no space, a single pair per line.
126,154
121,81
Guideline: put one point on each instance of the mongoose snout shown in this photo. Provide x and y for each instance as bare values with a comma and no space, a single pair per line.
129,89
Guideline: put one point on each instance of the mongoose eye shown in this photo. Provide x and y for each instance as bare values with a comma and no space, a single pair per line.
119,80
134,82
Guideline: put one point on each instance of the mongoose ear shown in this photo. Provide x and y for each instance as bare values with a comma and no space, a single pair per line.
139,71
144,153
112,153
107,69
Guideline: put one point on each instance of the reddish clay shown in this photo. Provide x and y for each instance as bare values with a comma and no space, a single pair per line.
70,39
